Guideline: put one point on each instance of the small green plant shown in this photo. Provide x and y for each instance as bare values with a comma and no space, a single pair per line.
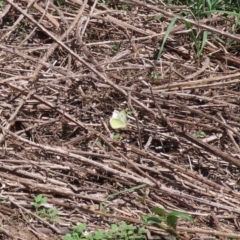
42,212
39,200
200,134
154,75
1,3
51,214
77,234
166,221
116,136
200,7
122,231
115,47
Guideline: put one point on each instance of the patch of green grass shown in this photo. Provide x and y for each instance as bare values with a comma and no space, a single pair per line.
122,231
161,219
202,8
198,44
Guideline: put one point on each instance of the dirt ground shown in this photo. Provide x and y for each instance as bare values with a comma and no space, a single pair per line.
65,66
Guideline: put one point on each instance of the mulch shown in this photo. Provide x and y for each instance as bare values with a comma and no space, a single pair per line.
65,66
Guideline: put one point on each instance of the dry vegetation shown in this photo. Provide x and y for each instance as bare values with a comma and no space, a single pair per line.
65,66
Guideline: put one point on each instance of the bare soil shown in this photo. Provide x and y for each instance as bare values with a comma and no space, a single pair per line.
65,66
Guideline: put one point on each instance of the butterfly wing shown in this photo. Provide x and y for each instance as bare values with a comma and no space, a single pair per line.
123,117
118,119
117,123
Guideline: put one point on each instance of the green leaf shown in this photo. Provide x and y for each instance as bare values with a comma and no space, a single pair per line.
131,227
180,214
158,16
153,220
130,232
159,211
234,14
42,213
123,226
88,237
68,236
38,198
218,38
44,199
192,35
116,136
145,218
98,234
125,191
154,75
169,28
80,228
209,3
204,40
114,227
141,230
172,221
200,134
51,214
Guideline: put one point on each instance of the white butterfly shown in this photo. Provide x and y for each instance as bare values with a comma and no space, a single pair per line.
118,119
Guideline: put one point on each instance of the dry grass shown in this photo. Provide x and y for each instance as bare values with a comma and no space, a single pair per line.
65,68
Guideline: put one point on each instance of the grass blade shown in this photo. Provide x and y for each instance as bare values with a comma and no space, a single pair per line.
204,40
169,29
125,191
234,14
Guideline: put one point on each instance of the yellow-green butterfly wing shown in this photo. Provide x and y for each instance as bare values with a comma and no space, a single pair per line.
118,119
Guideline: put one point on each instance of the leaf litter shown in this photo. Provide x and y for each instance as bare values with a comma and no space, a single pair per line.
65,67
